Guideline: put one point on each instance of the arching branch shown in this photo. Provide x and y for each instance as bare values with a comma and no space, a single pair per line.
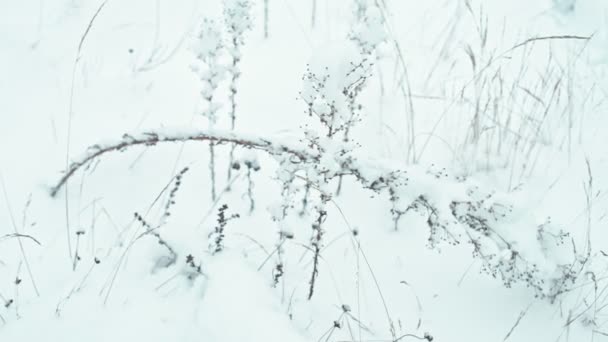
180,135
456,210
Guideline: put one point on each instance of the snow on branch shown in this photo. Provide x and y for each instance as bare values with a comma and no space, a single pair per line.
152,138
507,239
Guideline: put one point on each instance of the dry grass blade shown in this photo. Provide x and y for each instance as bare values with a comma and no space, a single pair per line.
18,235
526,42
69,123
519,318
86,32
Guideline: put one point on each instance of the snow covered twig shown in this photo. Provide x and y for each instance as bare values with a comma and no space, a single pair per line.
511,246
159,136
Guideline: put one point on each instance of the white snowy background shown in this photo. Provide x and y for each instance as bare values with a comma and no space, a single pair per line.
470,98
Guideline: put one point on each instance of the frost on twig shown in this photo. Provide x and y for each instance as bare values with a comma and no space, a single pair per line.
238,21
368,30
208,47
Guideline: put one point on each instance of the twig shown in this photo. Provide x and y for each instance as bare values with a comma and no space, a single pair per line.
153,138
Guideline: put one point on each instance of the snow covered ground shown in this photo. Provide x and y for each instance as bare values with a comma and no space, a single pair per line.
479,160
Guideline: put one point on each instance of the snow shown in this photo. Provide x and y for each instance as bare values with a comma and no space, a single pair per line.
438,209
